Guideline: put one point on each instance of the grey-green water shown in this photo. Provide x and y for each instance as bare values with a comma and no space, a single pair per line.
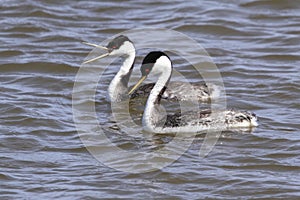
255,45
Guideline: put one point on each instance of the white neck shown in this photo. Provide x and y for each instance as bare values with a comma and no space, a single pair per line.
150,116
117,89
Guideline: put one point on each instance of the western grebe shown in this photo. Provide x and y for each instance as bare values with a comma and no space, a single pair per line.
121,46
118,88
153,121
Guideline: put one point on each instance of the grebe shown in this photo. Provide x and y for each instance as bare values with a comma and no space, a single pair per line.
118,88
153,121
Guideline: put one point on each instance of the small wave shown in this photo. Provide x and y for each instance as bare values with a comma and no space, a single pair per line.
271,4
41,67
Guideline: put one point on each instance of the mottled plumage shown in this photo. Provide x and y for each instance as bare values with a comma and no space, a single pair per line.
181,91
230,118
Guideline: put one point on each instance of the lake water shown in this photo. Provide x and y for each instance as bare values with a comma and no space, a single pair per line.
254,43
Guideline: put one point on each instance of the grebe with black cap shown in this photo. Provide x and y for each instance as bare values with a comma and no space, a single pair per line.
118,87
153,121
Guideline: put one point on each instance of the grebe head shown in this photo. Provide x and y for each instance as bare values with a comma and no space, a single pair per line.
156,62
120,46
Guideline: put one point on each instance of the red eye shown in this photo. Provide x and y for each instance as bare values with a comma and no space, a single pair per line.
147,70
114,47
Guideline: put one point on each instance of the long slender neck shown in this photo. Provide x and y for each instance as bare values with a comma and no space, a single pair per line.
117,89
150,116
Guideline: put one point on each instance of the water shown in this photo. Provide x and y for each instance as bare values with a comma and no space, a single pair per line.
255,45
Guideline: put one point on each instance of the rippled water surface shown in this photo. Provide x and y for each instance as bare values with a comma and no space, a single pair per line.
256,46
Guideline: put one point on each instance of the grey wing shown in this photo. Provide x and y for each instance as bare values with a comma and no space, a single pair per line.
182,91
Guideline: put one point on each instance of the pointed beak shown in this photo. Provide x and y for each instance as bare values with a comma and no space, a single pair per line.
98,57
96,45
137,84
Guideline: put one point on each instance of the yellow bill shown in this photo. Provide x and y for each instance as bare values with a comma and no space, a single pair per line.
137,84
98,57
95,45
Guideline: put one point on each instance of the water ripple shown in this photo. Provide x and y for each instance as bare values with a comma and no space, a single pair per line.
255,44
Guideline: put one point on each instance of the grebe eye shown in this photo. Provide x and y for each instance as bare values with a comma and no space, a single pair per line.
114,47
147,70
